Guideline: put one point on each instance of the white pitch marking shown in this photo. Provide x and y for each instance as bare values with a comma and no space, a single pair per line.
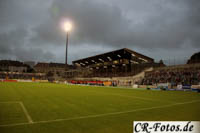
26,112
101,115
15,124
116,113
10,102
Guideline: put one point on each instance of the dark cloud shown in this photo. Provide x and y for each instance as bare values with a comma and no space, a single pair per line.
11,40
34,54
94,23
17,18
165,25
13,45
99,26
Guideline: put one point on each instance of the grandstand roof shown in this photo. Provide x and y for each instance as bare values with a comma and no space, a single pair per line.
195,58
114,55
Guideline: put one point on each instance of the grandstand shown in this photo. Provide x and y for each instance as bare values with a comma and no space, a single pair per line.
181,74
111,67
119,63
186,75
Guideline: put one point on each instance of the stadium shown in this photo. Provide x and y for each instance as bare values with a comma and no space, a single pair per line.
82,66
101,93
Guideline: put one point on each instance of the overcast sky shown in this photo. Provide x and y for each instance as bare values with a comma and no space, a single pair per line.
30,30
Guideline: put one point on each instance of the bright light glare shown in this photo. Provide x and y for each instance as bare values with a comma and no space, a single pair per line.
67,26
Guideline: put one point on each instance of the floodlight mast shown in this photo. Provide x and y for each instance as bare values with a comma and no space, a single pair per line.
67,41
67,28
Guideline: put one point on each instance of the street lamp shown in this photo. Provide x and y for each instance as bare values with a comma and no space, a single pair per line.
67,26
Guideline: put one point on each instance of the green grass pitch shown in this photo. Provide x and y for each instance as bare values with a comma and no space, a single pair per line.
60,108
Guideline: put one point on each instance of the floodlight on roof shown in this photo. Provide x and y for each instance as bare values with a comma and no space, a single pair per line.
143,59
82,63
109,58
101,60
119,55
133,54
135,62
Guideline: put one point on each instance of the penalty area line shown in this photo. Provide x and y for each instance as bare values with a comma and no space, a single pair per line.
23,108
102,115
26,112
30,121
9,102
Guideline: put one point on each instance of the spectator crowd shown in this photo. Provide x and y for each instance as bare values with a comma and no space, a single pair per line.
177,75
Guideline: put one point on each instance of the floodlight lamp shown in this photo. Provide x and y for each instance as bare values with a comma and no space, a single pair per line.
67,26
